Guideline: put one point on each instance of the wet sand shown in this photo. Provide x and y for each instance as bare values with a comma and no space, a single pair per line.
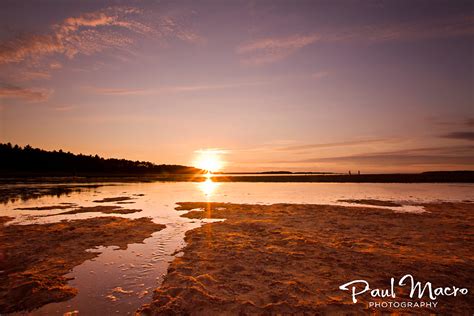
33,267
105,209
113,199
372,202
291,259
45,208
109,209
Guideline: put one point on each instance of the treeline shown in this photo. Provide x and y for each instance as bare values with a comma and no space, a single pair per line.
16,159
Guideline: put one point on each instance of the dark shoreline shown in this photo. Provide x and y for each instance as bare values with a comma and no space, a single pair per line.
425,177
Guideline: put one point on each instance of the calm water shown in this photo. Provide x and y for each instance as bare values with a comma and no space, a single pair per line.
119,281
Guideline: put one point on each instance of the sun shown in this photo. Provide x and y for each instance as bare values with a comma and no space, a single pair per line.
209,160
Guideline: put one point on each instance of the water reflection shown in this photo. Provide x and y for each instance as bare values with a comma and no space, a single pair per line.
25,192
208,187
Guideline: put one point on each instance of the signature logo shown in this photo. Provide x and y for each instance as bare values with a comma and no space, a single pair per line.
418,290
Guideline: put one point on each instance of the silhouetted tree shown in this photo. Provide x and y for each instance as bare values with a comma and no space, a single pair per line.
29,159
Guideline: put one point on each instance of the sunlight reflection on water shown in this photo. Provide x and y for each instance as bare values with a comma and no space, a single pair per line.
208,187
140,268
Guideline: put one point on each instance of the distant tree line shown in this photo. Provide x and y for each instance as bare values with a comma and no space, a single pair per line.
16,159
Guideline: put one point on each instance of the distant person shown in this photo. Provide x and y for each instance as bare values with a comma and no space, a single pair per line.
358,172
350,172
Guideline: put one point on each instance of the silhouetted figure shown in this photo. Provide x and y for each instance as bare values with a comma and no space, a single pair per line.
350,173
358,172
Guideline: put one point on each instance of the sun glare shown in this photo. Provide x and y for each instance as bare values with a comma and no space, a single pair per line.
208,187
209,160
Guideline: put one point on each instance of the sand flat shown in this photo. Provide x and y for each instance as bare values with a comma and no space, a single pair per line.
32,267
290,258
105,209
113,199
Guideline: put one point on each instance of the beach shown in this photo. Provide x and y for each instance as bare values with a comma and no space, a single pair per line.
33,267
292,259
251,248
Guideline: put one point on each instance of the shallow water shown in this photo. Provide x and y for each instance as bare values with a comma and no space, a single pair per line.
120,281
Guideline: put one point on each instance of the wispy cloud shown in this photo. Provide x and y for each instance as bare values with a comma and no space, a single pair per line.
75,35
63,108
118,91
319,75
416,156
28,75
90,33
30,94
55,65
191,88
269,50
335,144
291,148
454,26
169,89
460,135
455,128
272,49
453,122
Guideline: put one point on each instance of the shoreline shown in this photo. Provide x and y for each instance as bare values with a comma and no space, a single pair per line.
425,177
292,258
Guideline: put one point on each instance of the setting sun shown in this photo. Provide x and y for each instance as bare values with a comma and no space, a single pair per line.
209,160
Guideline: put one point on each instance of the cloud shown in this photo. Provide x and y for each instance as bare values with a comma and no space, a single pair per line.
460,135
415,156
90,33
55,65
15,92
27,75
63,108
320,75
169,89
451,122
204,87
118,91
273,49
335,144
23,46
438,28
454,26
269,50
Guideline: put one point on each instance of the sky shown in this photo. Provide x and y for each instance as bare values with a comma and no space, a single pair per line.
375,86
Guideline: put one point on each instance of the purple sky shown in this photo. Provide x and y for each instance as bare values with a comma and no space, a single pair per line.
376,86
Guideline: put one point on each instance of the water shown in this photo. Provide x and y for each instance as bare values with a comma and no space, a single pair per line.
120,281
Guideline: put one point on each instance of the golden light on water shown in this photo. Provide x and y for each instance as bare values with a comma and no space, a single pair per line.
209,160
208,187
